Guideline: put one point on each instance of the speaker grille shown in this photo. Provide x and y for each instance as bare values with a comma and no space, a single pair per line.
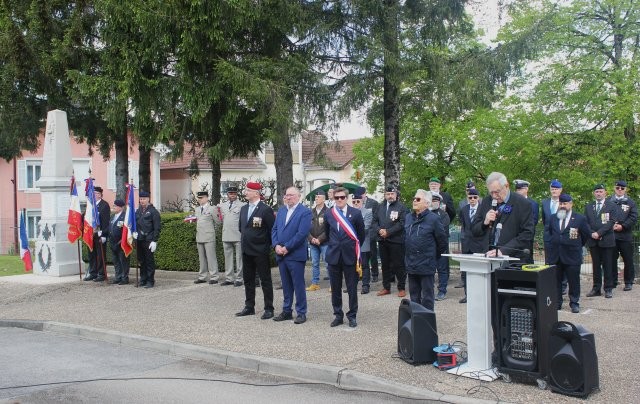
566,371
405,342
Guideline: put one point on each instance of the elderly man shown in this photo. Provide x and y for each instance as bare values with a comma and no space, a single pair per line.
470,244
345,230
567,232
289,240
256,222
206,240
317,240
447,201
623,230
120,260
373,205
425,242
365,248
443,262
601,215
230,217
97,257
149,225
388,225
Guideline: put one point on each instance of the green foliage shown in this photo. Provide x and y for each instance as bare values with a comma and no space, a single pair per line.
11,265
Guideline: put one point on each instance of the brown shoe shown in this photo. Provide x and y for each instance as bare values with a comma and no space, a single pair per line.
383,292
402,293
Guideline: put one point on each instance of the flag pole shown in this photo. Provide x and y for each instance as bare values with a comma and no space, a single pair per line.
102,255
79,260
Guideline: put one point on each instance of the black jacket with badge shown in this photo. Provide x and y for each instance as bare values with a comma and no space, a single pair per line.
628,217
390,219
255,238
602,223
148,223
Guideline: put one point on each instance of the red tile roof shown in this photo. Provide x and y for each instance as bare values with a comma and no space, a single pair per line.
236,163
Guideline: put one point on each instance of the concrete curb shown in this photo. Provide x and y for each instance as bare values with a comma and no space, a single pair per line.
332,375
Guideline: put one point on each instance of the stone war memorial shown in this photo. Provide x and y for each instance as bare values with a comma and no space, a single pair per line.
54,255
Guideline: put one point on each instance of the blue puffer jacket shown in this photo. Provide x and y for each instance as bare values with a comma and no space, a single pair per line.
425,240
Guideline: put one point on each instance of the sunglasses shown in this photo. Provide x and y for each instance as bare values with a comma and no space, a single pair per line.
416,199
340,197
619,188
357,201
472,197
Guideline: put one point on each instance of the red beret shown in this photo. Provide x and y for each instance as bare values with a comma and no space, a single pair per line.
256,186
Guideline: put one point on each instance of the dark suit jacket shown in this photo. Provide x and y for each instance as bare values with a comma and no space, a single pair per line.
384,220
628,217
566,246
115,231
448,200
535,212
292,234
546,210
471,243
104,213
517,228
602,223
255,233
340,245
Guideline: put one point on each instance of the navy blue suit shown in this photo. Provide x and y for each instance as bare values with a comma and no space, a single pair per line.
602,249
565,252
292,235
341,259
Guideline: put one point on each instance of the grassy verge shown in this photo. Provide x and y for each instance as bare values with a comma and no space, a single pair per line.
11,265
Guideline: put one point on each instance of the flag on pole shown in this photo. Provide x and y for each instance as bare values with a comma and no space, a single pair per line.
25,254
129,226
91,218
74,219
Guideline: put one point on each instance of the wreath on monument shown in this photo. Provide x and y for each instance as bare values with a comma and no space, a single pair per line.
44,266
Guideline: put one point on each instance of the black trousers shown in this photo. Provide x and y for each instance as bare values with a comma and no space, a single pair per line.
625,249
147,262
602,258
336,273
97,259
392,257
252,265
373,257
120,263
421,290
572,274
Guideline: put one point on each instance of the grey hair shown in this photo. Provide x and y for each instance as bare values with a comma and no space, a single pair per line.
496,176
427,195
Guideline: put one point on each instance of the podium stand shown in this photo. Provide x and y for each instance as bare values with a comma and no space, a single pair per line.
479,332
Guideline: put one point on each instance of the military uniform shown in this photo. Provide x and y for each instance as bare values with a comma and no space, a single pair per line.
148,225
206,242
230,212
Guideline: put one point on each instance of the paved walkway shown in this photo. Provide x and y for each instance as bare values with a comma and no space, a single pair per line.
200,319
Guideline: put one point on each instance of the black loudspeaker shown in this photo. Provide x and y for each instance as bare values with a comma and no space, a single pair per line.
417,333
526,309
573,366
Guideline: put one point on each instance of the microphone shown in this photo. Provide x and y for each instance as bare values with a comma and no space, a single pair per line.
494,207
501,247
497,235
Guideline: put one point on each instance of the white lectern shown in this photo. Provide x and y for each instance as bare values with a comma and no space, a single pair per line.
479,333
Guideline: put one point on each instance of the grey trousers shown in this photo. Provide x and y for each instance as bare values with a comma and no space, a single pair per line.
208,260
229,248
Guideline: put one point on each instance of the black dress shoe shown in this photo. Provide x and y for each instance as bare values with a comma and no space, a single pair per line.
226,283
575,309
124,282
199,281
352,322
326,278
374,278
608,294
365,290
247,311
148,285
237,283
283,316
140,284
627,287
301,318
98,280
463,300
594,292
337,321
212,281
267,315
114,281
88,278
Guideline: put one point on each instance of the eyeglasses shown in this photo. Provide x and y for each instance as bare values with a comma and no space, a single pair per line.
357,201
289,195
340,197
472,197
619,188
416,199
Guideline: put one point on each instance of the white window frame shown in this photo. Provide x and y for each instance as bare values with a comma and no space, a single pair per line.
32,218
134,167
27,167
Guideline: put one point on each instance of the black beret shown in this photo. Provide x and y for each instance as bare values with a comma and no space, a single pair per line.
119,202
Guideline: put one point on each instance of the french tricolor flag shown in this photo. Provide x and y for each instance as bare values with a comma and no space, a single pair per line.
129,226
25,254
74,220
90,215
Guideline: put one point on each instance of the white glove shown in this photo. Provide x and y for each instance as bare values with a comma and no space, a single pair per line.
134,235
152,246
103,240
99,233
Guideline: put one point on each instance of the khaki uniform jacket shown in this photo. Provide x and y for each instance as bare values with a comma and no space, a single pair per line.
230,220
205,228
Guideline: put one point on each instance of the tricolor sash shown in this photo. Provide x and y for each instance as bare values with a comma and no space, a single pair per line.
348,228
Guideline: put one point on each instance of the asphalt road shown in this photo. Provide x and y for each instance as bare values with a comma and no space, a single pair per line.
42,367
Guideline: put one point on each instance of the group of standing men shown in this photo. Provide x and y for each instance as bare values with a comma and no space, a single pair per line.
110,229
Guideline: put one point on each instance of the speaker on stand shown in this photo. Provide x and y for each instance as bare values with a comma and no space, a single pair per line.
573,363
417,333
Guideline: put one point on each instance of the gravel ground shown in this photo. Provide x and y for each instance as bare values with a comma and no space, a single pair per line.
179,310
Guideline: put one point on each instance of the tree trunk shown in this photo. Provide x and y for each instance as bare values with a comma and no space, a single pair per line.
390,97
216,174
144,170
283,163
121,145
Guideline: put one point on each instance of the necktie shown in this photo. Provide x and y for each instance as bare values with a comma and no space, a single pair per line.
564,224
472,213
201,210
230,204
598,207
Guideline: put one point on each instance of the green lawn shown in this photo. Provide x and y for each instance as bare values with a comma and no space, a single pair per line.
11,265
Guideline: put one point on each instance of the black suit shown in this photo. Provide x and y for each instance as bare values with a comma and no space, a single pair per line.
255,241
565,252
98,257
391,218
120,261
341,259
624,239
602,250
373,245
